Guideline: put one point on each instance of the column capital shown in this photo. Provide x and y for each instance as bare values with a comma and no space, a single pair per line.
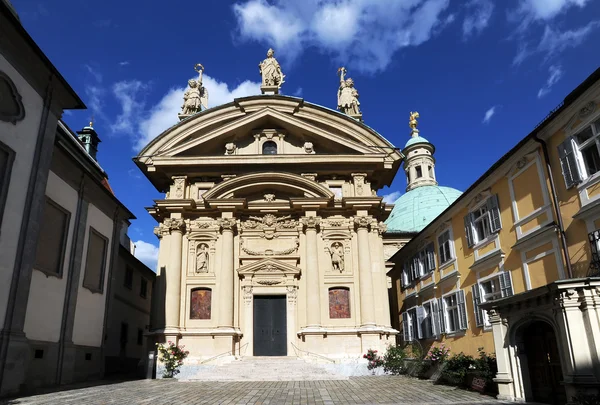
362,222
381,228
161,230
311,222
173,224
227,224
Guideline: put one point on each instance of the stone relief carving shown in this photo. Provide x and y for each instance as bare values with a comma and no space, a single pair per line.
196,96
381,228
270,71
359,183
200,224
308,147
227,224
269,197
202,258
292,293
247,290
337,222
161,231
269,282
270,220
230,148
270,252
362,222
178,187
11,104
587,109
311,222
337,256
174,224
347,95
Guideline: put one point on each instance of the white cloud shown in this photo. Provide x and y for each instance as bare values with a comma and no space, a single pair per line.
95,95
478,17
147,253
548,9
163,115
298,92
124,63
97,75
130,95
554,74
554,42
489,114
363,33
392,197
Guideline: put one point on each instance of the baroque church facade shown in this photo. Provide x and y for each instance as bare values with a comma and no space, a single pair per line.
271,231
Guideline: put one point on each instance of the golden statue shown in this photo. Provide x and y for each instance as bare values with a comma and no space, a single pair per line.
413,120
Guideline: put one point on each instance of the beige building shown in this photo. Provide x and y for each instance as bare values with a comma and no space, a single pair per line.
271,231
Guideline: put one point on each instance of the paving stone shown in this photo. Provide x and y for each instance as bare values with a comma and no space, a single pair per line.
356,390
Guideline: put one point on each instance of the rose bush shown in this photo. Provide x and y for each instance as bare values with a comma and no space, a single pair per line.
172,357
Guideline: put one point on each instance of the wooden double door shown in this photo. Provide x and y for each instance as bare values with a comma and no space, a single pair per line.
270,325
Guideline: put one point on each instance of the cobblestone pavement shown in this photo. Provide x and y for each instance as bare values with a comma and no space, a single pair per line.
356,390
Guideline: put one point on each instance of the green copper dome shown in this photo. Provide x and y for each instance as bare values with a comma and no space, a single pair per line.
415,209
416,139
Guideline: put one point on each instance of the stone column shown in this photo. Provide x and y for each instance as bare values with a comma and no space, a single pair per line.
172,275
380,276
311,272
226,277
504,377
159,293
367,301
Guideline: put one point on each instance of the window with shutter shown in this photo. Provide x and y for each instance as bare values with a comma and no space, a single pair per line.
436,327
462,310
420,318
430,255
506,284
469,230
476,301
7,157
444,247
494,209
405,327
52,239
95,261
568,162
441,309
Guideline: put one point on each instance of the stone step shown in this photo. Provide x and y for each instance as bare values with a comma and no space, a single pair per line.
262,369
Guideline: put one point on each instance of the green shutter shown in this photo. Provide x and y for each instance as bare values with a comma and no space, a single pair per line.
505,284
469,229
476,301
462,310
494,209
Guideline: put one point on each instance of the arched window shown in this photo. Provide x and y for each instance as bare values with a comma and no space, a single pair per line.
269,148
200,305
339,302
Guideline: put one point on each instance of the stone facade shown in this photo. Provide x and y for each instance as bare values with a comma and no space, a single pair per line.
251,211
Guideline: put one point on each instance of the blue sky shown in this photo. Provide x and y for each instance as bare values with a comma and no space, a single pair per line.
481,73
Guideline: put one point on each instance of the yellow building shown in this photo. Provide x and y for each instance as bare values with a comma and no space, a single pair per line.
508,265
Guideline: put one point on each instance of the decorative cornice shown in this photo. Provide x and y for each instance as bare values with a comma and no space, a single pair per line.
11,110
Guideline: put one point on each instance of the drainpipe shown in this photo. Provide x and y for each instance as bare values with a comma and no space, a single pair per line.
561,228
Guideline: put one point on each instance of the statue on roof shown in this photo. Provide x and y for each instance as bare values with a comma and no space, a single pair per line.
412,123
270,70
196,96
348,96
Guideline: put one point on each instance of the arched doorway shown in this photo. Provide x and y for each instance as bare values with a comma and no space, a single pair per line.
543,364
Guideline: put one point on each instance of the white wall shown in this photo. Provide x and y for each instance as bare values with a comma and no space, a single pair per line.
47,294
22,139
89,314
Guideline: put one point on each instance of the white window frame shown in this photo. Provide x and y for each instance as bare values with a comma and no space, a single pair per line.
445,322
429,316
486,321
594,125
450,246
486,217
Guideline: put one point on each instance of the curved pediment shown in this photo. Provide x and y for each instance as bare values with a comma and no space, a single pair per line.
245,185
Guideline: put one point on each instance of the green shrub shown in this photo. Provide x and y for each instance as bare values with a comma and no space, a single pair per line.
486,366
457,367
393,360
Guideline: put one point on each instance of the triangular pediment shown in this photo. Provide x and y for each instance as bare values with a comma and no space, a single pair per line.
269,267
241,131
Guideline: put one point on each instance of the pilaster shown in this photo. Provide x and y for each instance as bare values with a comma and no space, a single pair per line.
367,299
311,272
172,274
226,297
